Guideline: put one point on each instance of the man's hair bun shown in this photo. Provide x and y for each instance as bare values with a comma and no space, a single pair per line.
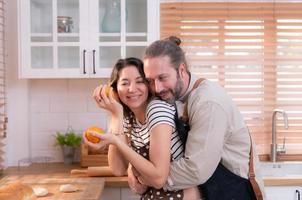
174,39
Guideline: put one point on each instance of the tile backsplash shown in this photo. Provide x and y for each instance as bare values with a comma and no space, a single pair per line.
55,105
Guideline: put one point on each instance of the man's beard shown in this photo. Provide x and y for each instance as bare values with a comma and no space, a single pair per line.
178,88
176,92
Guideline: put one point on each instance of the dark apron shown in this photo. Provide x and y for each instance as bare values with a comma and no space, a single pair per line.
223,184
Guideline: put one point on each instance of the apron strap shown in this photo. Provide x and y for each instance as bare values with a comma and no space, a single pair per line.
185,116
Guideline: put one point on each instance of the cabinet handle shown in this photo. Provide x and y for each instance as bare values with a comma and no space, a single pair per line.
93,61
84,62
298,193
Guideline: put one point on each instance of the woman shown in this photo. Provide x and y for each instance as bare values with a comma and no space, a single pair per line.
149,127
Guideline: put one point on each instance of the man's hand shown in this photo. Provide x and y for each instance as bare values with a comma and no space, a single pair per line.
133,181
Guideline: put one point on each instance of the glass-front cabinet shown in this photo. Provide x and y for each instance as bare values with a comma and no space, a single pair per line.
82,38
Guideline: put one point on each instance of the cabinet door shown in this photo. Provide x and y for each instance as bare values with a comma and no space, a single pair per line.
283,192
82,38
122,31
136,28
51,40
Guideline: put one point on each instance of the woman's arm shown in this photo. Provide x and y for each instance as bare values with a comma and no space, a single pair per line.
154,172
159,156
117,162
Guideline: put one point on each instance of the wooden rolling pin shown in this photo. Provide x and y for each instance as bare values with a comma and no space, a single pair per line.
93,171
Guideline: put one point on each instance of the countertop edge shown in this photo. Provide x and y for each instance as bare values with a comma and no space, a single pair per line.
282,181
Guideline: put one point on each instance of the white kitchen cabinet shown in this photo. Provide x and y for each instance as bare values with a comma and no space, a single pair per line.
283,192
82,38
110,193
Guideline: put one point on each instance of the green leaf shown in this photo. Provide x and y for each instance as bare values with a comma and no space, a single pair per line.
70,138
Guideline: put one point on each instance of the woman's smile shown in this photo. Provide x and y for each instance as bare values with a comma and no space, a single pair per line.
132,88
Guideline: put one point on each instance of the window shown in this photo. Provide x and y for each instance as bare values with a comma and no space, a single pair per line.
252,49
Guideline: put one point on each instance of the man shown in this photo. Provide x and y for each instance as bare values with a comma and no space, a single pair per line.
217,154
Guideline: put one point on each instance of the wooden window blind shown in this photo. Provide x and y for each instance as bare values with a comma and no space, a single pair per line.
3,118
252,49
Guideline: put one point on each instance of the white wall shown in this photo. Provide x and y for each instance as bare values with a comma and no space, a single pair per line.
17,97
54,105
36,109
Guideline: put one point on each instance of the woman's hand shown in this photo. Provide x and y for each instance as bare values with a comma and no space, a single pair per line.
105,139
107,102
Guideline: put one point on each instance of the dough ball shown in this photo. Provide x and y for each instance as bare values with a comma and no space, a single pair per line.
68,188
40,191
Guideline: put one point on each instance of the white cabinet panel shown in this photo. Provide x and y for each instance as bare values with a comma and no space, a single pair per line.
82,38
283,192
114,193
110,193
127,194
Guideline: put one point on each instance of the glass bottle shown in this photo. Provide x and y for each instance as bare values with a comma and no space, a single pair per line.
112,19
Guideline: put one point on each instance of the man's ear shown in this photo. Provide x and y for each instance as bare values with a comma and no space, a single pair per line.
182,70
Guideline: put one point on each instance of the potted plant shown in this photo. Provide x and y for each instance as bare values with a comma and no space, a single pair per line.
69,142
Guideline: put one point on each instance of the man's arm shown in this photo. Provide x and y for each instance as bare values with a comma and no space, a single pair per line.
208,123
133,181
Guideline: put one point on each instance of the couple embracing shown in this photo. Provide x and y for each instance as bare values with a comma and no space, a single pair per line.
176,136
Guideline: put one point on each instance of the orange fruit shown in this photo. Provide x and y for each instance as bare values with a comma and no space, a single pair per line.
107,89
92,138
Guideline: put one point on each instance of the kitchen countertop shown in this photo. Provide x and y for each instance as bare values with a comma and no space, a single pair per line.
55,174
52,175
283,181
60,168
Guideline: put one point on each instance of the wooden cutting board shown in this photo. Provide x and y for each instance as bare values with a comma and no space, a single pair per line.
90,188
